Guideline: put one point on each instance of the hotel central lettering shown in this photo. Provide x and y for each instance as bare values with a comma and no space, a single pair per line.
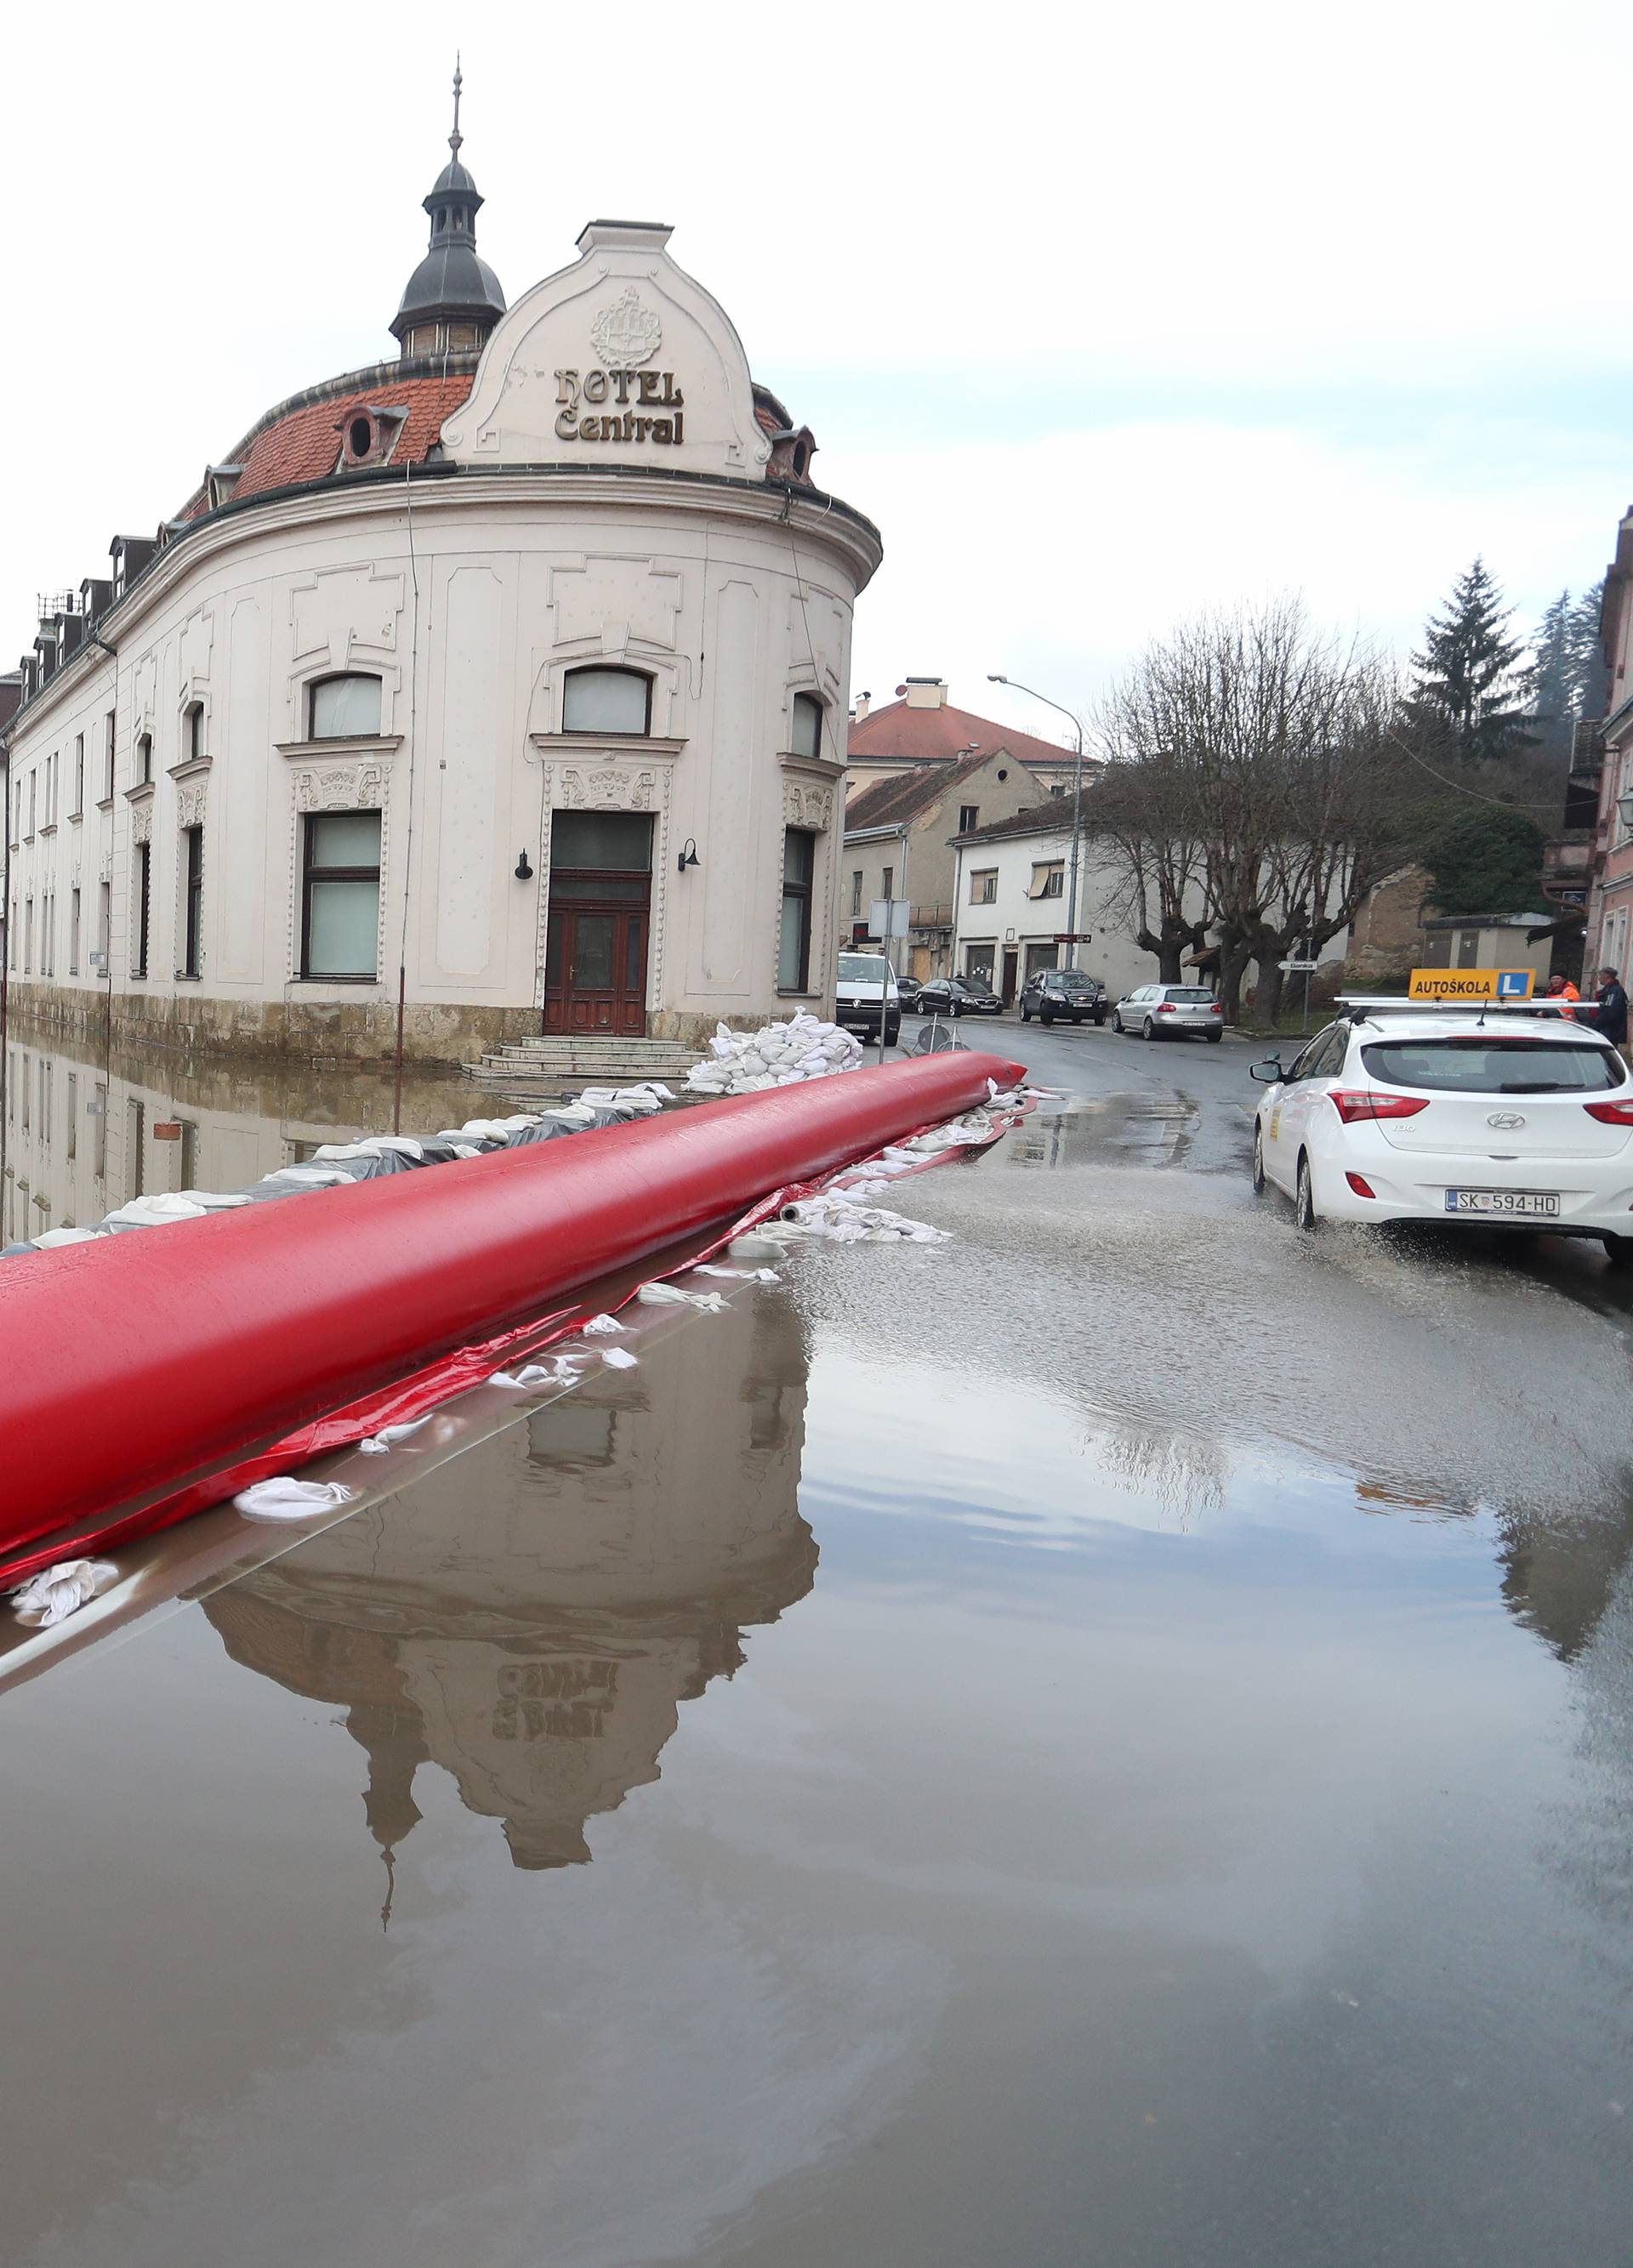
651,406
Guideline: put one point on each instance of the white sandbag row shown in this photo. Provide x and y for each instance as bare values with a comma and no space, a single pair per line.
777,1054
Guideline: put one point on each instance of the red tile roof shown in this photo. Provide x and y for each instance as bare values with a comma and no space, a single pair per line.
301,442
306,445
927,735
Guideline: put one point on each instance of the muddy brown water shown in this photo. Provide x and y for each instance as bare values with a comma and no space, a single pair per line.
1103,1741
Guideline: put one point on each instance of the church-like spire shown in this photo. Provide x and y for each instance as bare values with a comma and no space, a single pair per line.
453,299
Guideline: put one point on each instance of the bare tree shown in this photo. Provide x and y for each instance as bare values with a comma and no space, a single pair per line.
1262,752
1142,815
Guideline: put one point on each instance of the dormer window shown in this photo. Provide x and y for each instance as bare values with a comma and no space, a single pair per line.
805,730
606,701
345,708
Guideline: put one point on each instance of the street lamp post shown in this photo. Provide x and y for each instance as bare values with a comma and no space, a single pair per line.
995,677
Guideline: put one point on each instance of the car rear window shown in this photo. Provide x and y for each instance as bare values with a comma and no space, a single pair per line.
1482,1065
1188,993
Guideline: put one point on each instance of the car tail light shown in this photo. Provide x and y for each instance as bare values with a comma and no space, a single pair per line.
1355,1102
1362,1187
1214,1008
1165,1007
1611,1114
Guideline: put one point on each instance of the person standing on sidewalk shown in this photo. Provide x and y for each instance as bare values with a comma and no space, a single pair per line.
1610,1008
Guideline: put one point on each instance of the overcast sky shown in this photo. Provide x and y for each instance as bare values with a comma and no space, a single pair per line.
1101,319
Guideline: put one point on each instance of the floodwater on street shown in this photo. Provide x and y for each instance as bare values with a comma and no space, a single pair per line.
1107,1740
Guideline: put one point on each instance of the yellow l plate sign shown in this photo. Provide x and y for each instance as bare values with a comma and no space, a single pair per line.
1471,984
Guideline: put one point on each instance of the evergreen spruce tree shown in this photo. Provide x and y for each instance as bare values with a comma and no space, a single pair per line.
1468,686
1590,677
1551,672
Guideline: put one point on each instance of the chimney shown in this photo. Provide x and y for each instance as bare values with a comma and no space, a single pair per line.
926,692
863,704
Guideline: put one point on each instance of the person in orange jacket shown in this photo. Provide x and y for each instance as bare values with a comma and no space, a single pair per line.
1560,991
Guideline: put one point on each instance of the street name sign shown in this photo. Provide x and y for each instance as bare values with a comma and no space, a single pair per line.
1471,984
1299,964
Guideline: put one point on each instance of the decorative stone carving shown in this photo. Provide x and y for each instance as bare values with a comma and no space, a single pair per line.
626,334
613,789
190,804
142,822
806,806
340,787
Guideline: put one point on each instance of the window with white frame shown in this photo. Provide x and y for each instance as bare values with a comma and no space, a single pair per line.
606,701
344,708
1048,879
805,726
339,895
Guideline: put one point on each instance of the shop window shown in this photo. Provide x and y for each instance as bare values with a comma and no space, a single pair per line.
794,948
344,709
606,701
193,910
339,895
805,735
984,887
977,963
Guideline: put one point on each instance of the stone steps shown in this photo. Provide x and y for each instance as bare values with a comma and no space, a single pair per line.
566,1059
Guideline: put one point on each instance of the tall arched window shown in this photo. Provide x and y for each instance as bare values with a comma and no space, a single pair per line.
606,701
805,731
345,708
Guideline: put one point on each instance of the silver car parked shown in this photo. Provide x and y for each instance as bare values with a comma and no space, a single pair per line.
1169,1012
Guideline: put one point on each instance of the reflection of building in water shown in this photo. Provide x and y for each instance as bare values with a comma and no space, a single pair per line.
530,1616
85,1129
1560,1572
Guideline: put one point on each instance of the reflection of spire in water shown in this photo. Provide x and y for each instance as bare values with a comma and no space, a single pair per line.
531,1616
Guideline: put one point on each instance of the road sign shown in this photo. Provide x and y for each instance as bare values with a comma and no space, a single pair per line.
888,917
1471,984
1299,964
1073,937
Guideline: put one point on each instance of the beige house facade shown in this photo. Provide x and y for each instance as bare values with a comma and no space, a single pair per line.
507,682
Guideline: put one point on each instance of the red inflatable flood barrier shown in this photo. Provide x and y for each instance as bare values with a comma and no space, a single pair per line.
137,1362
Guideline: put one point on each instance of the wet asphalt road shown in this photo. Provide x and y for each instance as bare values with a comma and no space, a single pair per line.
1103,1740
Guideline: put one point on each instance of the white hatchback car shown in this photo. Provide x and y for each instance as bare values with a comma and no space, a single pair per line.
1506,1121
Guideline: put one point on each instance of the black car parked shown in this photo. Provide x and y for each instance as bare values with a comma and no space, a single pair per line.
958,996
1055,994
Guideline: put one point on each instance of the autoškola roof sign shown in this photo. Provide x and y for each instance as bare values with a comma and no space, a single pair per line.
1471,984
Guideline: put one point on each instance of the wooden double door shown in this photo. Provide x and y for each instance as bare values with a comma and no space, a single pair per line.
598,929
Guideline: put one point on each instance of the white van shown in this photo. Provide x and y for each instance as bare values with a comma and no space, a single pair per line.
867,995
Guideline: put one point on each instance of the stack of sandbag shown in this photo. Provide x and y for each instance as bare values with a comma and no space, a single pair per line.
777,1054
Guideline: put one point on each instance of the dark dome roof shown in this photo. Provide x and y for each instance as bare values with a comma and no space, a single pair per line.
453,180
451,280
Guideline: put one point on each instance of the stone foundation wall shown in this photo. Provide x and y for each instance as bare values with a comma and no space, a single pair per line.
363,1031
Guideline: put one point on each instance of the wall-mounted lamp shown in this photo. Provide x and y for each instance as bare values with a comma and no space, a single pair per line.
1624,806
524,873
689,853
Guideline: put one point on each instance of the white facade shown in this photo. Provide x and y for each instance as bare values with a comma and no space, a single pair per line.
604,498
1010,905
